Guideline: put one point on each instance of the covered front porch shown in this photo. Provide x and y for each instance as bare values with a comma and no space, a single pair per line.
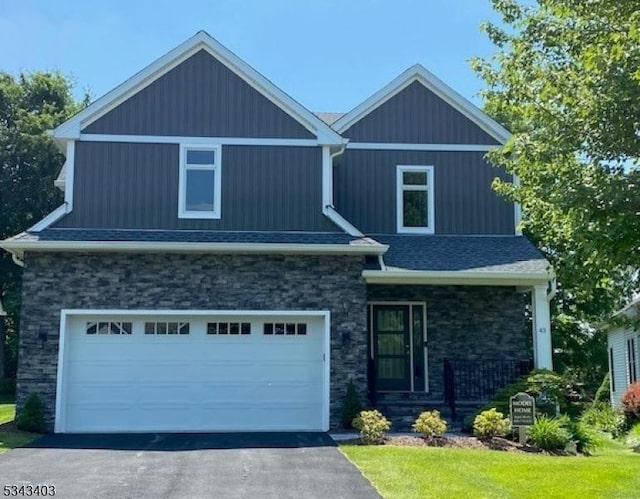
449,339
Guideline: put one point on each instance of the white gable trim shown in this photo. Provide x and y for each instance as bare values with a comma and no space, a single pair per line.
200,41
420,74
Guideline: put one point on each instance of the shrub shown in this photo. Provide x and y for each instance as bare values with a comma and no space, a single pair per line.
602,417
584,437
548,388
603,394
491,423
8,387
631,402
633,438
351,406
549,433
372,426
31,417
430,424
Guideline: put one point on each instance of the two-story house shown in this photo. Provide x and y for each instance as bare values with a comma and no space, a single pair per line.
226,259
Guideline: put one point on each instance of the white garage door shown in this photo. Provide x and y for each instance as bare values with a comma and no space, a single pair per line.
192,373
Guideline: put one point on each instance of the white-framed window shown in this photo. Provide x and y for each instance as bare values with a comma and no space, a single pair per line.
200,179
415,199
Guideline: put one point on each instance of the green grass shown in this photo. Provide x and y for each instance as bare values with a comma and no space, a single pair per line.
7,411
411,472
10,437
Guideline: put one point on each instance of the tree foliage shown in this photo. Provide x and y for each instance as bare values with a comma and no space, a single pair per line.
565,79
30,104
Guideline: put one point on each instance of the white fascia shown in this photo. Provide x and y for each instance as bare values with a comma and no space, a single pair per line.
456,278
67,206
359,248
327,193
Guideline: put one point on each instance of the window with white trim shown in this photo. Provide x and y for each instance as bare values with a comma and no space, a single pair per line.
200,174
415,199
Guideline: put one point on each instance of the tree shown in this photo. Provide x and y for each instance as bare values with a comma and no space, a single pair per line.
30,104
565,79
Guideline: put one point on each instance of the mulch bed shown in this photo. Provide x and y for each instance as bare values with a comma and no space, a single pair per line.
465,442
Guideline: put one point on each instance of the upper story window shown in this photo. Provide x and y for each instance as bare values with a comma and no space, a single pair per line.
200,173
415,201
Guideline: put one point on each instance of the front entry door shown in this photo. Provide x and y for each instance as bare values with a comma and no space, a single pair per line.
392,347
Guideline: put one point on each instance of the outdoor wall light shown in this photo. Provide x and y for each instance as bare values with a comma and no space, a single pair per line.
42,336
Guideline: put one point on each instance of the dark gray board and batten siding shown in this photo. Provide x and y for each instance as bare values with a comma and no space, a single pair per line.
200,97
417,115
135,186
465,203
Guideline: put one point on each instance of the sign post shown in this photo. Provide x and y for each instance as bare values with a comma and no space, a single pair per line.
523,413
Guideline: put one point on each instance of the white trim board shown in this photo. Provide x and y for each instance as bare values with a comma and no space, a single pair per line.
369,248
457,278
394,146
59,425
200,41
179,139
420,74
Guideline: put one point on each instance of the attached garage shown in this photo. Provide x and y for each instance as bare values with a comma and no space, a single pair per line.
178,371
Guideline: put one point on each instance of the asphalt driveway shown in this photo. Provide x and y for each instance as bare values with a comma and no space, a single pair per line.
235,465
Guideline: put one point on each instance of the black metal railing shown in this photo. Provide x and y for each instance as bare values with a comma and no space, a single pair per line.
479,380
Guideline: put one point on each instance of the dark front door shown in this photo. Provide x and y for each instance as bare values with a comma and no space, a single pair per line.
392,347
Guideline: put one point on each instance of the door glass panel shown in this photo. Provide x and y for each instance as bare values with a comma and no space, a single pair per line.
391,369
418,348
390,320
391,344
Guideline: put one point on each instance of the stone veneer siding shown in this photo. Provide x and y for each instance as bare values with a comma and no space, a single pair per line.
466,322
53,281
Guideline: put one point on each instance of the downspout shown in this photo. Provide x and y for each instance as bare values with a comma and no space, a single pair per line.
327,192
17,260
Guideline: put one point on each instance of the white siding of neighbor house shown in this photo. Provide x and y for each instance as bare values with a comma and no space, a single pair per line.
619,375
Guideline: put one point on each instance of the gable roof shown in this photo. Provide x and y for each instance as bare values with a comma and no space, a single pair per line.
420,74
71,128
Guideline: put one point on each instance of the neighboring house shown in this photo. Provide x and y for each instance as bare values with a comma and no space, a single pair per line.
624,352
227,260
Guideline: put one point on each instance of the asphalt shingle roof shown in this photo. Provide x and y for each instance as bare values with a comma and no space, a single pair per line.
407,252
186,236
469,253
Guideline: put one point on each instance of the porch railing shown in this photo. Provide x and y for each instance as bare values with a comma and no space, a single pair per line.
479,380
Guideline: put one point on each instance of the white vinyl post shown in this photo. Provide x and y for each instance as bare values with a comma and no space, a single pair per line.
543,352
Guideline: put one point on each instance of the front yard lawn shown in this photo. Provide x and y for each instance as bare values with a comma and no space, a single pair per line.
10,437
399,472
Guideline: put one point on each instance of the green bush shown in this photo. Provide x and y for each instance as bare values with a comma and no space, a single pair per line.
549,434
351,406
603,394
602,417
500,401
632,439
8,387
372,426
491,423
585,437
430,424
31,417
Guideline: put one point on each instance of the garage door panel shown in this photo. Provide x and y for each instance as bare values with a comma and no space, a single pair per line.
195,381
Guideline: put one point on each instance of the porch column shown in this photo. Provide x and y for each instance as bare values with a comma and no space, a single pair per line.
542,350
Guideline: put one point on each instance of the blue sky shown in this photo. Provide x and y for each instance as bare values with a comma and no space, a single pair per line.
327,54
